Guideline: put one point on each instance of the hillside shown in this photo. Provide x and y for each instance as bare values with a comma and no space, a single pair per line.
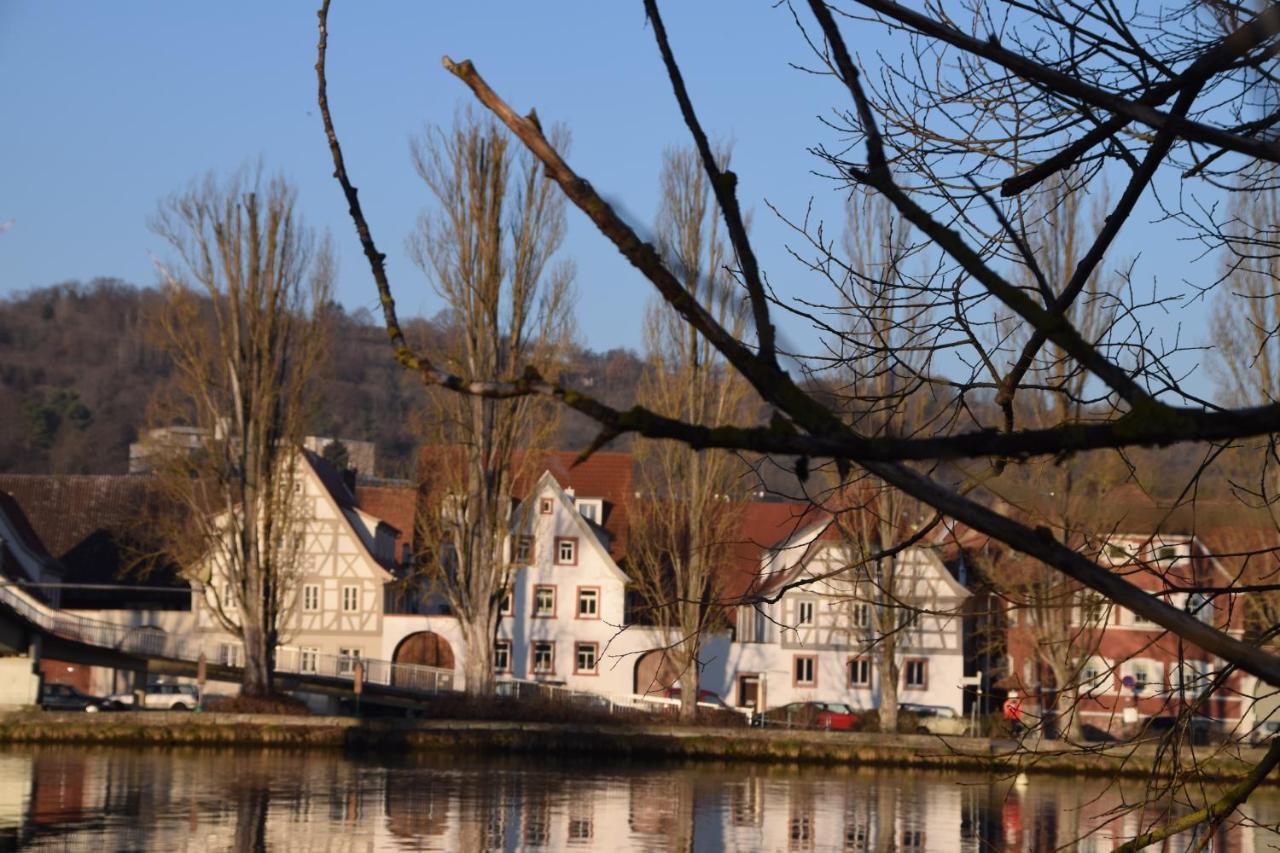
78,372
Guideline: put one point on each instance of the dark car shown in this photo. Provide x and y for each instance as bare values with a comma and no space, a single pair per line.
64,697
831,716
1201,729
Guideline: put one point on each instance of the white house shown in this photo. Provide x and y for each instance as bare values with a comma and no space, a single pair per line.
818,640
347,558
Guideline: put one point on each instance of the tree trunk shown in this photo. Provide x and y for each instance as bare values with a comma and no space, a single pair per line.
259,660
477,665
690,683
888,689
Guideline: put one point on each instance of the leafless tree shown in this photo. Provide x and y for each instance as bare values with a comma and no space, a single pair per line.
689,500
488,250
242,381
988,98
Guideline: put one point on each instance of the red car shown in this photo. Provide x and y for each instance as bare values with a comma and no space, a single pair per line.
830,716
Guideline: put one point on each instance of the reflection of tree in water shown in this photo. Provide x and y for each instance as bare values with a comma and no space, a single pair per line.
418,805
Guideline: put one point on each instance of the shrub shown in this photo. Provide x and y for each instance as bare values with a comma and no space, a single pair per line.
277,704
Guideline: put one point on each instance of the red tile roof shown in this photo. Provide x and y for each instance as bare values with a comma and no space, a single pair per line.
65,509
10,507
396,505
763,525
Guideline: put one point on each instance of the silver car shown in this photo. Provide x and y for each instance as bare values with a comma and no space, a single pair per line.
167,697
936,719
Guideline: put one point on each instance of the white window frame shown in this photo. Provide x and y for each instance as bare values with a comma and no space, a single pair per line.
592,595
804,671
862,666
551,658
922,683
347,659
538,611
593,649
351,598
806,612
572,544
502,652
311,598
309,659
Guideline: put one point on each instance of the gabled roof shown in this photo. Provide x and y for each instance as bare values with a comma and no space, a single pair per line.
585,532
397,506
345,505
605,475
100,528
762,525
21,525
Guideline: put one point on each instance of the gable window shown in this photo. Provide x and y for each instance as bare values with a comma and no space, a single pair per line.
859,672
524,549
502,656
544,602
805,671
585,658
862,615
588,603
545,506
347,659
544,658
506,607
915,672
311,598
590,509
228,597
308,658
804,612
350,599
566,552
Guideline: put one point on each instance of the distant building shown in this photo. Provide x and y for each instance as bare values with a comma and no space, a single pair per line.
165,441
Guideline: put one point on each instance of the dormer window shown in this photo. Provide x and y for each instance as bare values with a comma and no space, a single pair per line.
592,509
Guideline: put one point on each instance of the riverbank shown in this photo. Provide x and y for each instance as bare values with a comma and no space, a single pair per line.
170,729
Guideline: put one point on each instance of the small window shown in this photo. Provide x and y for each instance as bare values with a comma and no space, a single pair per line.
566,552
350,599
544,658
506,607
860,672
585,658
588,604
524,549
1117,552
230,654
308,659
229,597
804,612
311,598
502,656
545,506
862,615
544,601
1141,621
590,509
1168,552
806,671
347,659
916,674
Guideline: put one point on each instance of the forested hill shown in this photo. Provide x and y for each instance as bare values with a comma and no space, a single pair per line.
78,370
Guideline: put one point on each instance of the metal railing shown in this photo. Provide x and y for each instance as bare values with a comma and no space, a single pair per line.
613,703
155,643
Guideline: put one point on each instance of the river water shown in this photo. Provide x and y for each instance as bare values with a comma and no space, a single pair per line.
102,800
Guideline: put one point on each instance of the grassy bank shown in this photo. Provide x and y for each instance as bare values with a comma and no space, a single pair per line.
646,741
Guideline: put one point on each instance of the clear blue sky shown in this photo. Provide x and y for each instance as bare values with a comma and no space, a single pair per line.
108,107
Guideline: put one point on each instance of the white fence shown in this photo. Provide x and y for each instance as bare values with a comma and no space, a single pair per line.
613,703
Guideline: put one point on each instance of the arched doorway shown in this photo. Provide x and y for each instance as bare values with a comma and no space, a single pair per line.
425,648
655,672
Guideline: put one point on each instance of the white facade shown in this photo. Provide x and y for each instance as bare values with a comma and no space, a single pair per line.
818,641
337,603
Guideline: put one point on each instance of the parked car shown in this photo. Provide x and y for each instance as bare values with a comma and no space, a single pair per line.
935,719
1201,729
832,716
704,697
1265,731
169,697
64,697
